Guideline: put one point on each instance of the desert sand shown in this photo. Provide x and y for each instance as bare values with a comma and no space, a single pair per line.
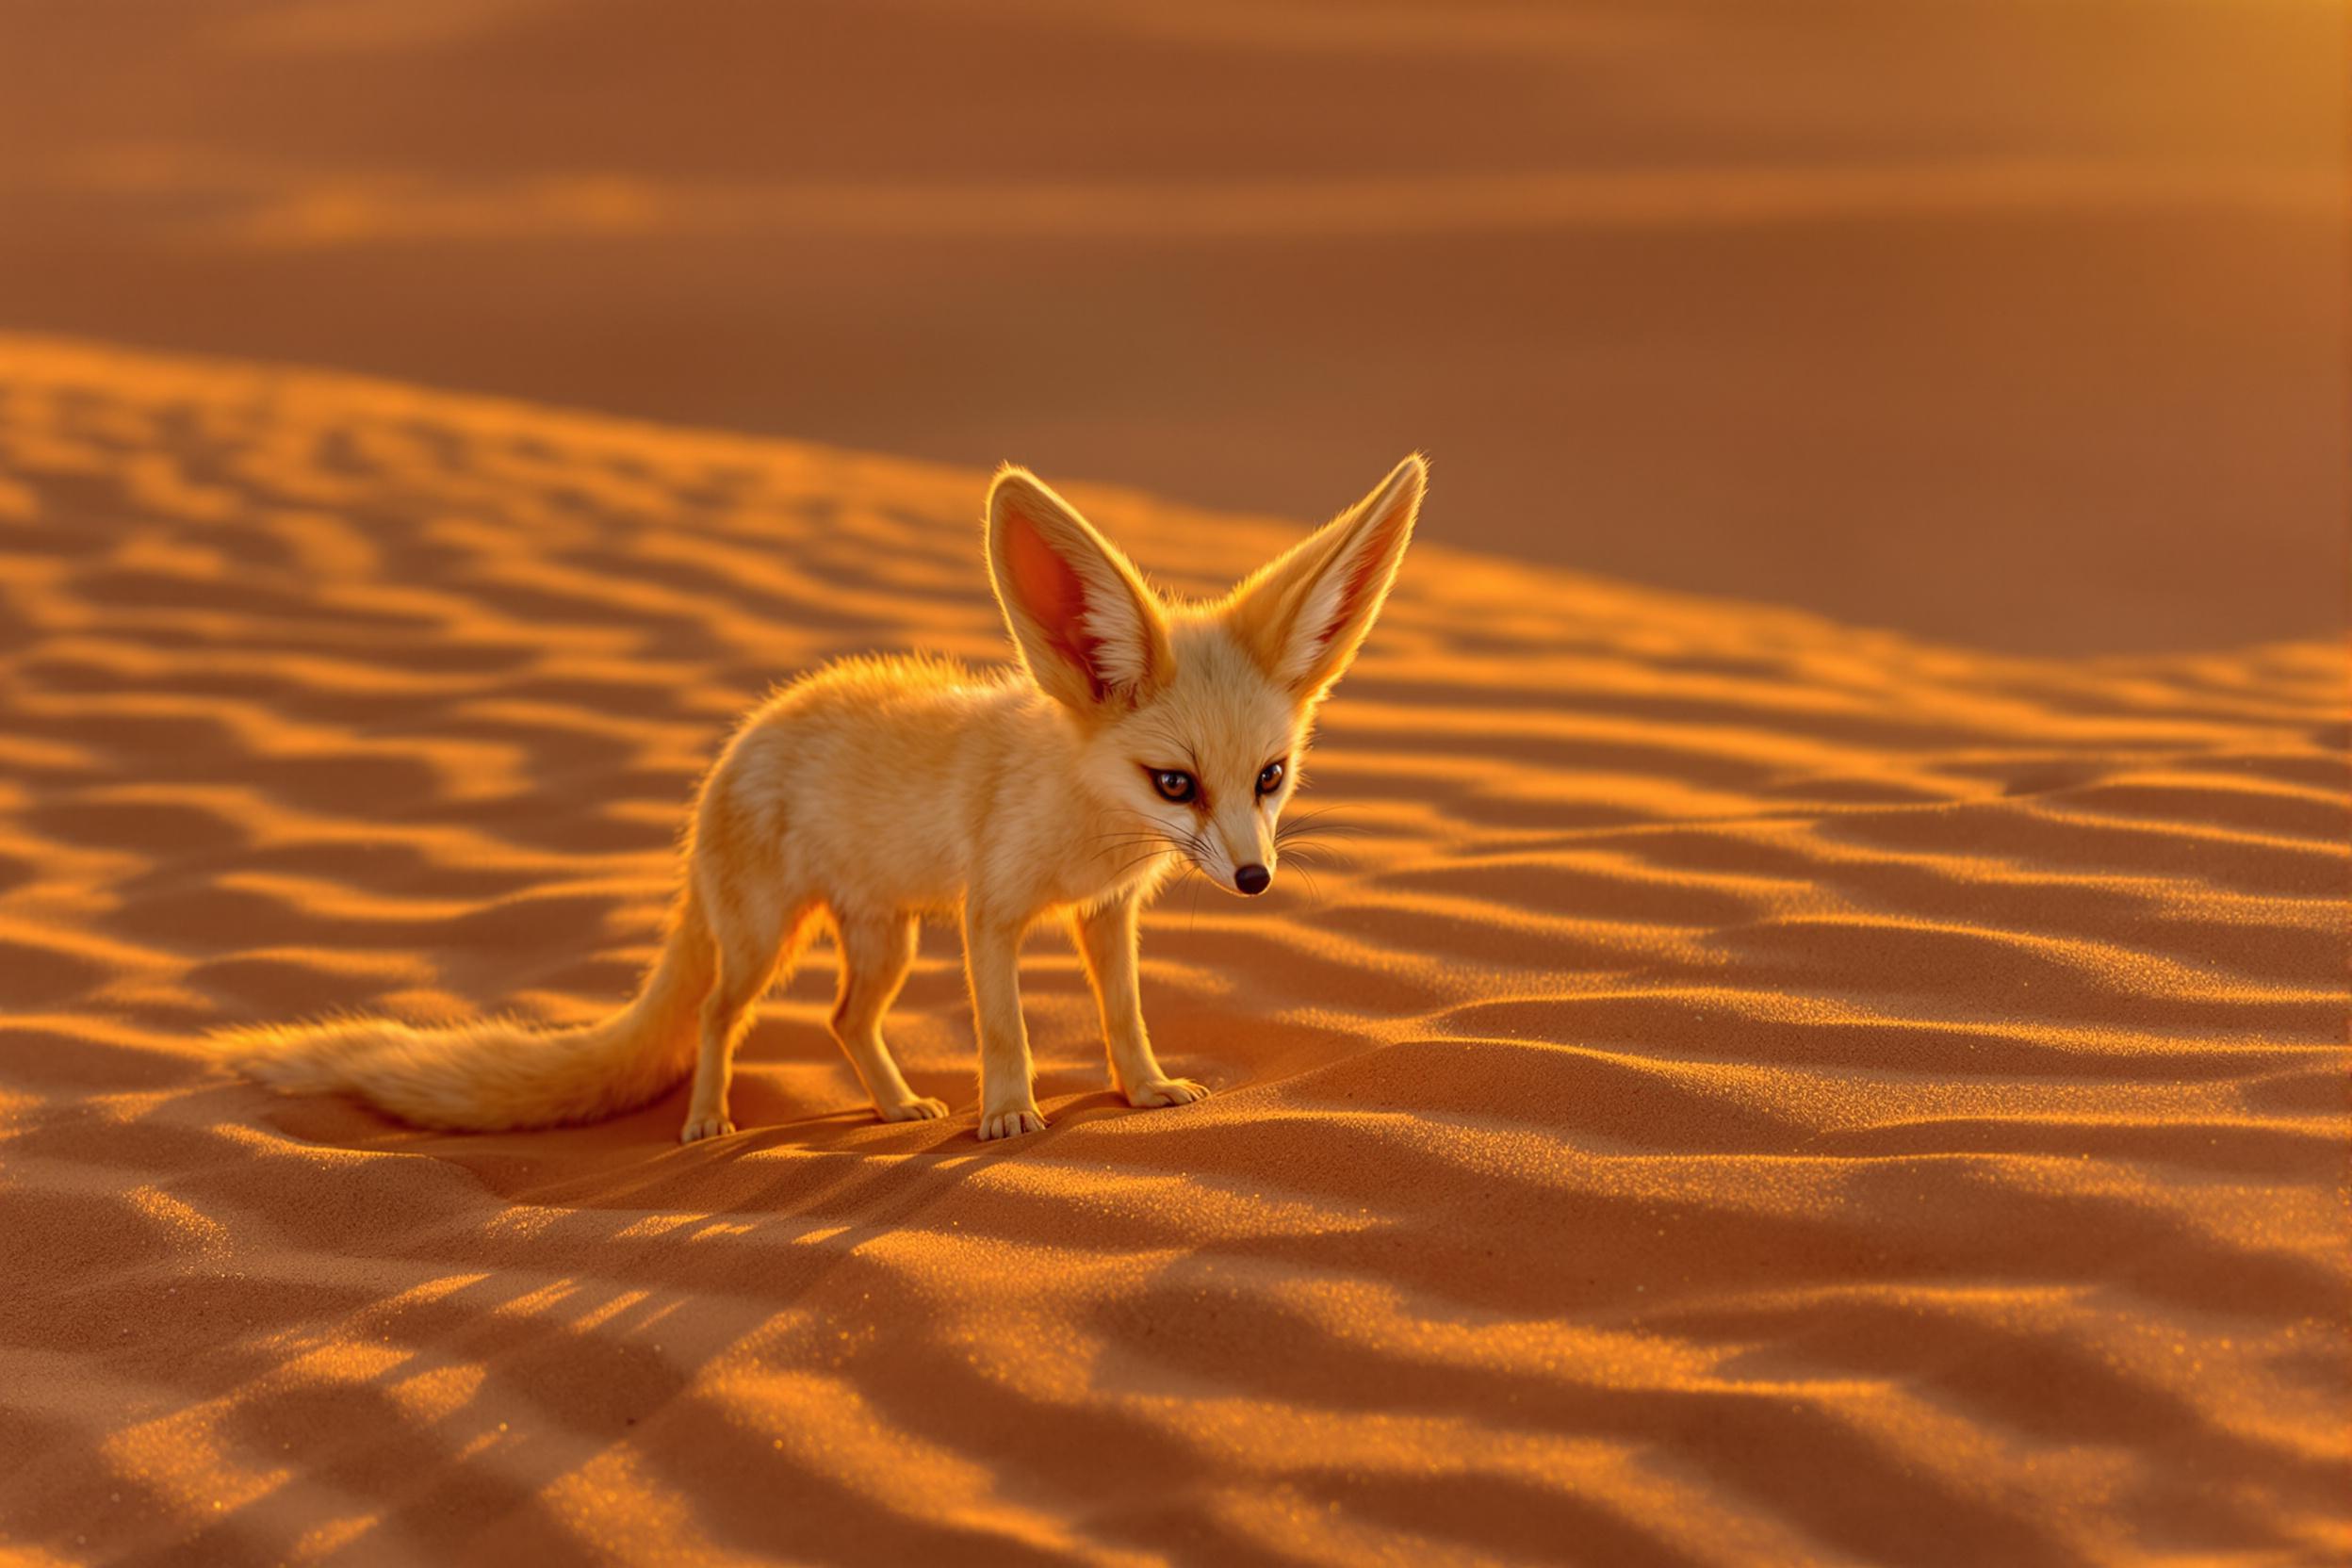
1746,1089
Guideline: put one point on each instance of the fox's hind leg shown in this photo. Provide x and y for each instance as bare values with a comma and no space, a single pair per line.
756,933
877,953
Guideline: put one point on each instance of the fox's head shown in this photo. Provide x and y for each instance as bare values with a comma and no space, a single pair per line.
1193,716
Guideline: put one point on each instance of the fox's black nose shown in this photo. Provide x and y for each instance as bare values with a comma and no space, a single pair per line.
1251,879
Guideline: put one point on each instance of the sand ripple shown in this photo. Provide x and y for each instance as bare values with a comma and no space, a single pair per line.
1743,1089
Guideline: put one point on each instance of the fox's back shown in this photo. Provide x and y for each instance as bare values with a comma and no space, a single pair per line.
874,768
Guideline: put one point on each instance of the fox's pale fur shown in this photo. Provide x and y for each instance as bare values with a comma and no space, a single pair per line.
877,790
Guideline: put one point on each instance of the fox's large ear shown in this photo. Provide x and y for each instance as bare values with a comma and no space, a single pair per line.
1089,629
1303,616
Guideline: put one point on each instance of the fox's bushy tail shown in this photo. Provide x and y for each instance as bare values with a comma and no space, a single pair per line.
498,1073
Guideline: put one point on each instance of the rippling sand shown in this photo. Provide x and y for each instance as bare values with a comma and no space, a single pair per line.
1747,1090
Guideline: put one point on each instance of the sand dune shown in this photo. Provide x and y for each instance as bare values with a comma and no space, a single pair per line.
271,205
1746,1090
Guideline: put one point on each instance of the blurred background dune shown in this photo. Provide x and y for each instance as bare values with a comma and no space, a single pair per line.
2015,322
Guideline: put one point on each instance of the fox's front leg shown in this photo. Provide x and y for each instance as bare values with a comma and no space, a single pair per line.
992,965
1107,939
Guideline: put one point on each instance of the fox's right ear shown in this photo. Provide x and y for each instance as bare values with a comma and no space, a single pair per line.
1088,629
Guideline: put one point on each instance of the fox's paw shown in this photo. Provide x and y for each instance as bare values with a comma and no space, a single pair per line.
1166,1091
923,1109
701,1127
1012,1123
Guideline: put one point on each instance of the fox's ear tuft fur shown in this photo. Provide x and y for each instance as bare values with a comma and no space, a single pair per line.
1089,629
1303,616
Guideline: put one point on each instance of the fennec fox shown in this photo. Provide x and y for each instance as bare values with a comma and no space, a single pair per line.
1136,733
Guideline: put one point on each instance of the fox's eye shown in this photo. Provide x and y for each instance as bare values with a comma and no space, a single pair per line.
1271,779
1174,785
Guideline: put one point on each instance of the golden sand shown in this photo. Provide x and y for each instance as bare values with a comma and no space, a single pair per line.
1746,1090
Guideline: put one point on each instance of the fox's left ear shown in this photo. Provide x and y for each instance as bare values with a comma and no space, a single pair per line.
1303,616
